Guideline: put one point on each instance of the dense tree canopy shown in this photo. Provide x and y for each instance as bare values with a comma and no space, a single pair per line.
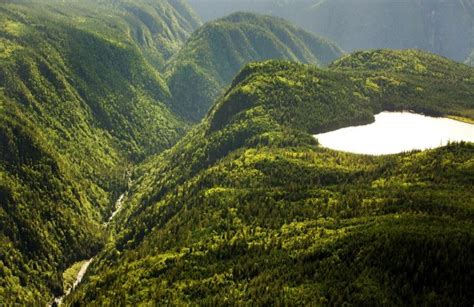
79,101
216,52
260,214
244,207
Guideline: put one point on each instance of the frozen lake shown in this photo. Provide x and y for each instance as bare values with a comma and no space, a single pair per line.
395,132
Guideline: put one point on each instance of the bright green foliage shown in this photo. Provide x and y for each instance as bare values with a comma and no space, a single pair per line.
156,27
216,52
50,206
107,70
403,61
416,75
246,204
247,209
70,275
314,223
79,101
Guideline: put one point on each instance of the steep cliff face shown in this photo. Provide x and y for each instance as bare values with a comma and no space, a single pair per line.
470,59
158,27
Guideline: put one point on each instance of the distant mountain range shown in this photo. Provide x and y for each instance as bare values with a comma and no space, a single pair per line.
445,27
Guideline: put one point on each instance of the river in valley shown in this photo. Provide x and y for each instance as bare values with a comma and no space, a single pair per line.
396,132
85,265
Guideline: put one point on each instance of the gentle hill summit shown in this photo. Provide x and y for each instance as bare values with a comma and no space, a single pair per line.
402,61
259,213
217,51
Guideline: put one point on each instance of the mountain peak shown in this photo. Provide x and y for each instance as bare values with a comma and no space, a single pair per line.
214,54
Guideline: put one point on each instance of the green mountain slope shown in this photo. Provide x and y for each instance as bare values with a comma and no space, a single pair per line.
159,27
443,27
217,51
259,214
79,101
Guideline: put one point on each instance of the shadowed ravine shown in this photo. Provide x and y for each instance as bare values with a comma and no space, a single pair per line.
82,272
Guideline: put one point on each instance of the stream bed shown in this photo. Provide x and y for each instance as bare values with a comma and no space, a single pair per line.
57,301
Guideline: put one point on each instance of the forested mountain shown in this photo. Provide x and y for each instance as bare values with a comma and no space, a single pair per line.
259,214
218,50
82,98
79,101
440,26
101,98
158,27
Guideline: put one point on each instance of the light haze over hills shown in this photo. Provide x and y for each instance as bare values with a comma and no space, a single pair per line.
445,27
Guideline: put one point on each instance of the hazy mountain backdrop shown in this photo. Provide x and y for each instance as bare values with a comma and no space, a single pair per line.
445,27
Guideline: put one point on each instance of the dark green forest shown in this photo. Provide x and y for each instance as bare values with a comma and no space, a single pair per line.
260,214
79,103
207,129
215,53
83,97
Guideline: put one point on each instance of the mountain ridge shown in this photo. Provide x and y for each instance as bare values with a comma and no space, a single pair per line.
217,51
442,27
99,99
